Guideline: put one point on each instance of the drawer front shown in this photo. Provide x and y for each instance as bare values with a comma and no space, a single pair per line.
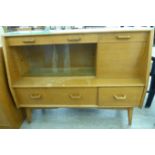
57,39
120,96
123,37
56,96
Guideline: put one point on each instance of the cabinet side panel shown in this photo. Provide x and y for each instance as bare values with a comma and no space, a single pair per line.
147,63
10,116
11,68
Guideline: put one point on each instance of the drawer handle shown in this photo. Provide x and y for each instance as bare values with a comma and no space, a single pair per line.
74,39
75,97
30,40
123,37
35,96
122,97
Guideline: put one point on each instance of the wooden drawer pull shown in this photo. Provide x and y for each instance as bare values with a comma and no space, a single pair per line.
122,97
75,96
29,40
123,37
74,39
35,96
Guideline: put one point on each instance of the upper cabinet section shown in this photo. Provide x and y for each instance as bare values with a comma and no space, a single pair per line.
77,38
115,55
123,55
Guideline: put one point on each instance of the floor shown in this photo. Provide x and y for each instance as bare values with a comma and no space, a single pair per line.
91,119
62,118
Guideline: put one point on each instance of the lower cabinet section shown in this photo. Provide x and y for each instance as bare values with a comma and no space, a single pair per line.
108,97
56,96
120,96
102,97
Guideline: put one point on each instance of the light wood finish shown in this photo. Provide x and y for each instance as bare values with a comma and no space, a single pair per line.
12,72
28,112
56,96
3,120
86,81
127,97
58,39
147,63
10,116
130,114
96,69
124,37
119,60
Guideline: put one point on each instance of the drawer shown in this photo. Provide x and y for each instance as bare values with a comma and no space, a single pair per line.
123,37
56,96
120,96
57,39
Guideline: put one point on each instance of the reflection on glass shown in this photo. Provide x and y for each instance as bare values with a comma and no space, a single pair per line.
56,60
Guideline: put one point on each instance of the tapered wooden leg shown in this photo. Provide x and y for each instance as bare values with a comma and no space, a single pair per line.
130,113
28,114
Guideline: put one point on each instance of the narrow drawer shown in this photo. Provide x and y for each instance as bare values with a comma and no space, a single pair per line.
123,37
56,96
120,96
57,39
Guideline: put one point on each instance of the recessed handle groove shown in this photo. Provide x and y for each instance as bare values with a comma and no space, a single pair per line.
123,37
75,96
29,40
35,96
120,97
74,39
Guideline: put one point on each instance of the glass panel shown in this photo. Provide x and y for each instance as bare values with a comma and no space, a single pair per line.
56,60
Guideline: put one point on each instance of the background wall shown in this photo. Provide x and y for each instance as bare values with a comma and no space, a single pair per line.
1,32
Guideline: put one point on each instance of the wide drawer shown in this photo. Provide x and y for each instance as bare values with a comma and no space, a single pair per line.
56,96
123,37
55,39
120,96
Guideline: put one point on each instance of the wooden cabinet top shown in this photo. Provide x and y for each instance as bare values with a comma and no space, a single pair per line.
75,31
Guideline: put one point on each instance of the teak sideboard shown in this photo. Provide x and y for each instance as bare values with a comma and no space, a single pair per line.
85,69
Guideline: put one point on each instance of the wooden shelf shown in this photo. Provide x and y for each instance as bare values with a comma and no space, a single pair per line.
86,81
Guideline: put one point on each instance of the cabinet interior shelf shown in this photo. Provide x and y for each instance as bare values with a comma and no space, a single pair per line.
83,81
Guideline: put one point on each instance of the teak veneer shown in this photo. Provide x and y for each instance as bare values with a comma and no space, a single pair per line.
86,69
10,116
